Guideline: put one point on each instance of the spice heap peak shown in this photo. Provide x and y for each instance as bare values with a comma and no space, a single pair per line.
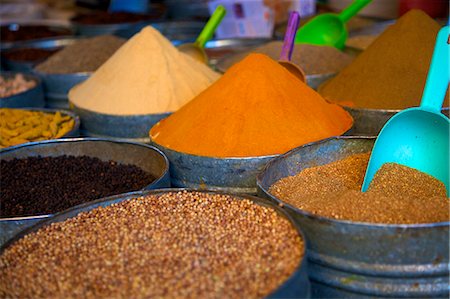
257,108
147,75
391,72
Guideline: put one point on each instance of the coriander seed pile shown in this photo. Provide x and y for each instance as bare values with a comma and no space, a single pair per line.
175,244
397,194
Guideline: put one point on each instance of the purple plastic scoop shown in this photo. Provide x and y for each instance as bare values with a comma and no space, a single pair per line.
288,47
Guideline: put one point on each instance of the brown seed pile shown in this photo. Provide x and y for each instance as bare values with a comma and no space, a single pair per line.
312,59
397,194
85,55
174,245
14,85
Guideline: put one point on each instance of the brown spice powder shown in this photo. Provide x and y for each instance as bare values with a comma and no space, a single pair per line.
397,194
175,245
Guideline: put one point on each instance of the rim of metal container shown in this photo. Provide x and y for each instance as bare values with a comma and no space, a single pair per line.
371,110
107,201
46,44
28,76
82,139
322,218
74,116
62,75
211,158
52,24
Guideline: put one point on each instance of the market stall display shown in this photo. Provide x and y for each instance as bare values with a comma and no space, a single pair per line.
19,90
162,79
27,125
42,178
74,211
256,110
376,244
176,250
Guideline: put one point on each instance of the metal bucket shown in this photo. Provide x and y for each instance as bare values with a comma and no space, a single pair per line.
57,86
234,175
144,156
61,29
362,260
296,286
123,127
33,97
217,49
369,122
27,66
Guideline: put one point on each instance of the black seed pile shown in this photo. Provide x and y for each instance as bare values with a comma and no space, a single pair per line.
46,185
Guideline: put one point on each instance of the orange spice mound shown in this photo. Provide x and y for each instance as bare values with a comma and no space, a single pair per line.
257,108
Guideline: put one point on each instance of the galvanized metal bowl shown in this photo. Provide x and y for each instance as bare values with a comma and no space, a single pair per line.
48,44
143,156
57,86
123,127
63,29
362,260
296,286
217,49
369,122
235,175
33,97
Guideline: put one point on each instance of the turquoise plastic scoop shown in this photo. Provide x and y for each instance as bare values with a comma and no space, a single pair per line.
329,29
419,137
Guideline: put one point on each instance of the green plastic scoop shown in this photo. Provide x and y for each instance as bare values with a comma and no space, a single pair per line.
195,50
419,137
329,29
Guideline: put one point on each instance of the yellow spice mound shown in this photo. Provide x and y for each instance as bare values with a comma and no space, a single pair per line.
257,108
147,75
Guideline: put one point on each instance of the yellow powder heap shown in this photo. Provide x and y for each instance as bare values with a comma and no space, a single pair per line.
257,108
147,75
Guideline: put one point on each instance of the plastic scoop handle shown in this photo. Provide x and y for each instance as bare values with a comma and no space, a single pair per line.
352,10
438,75
210,26
289,37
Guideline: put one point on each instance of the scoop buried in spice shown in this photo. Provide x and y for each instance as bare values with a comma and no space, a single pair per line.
288,47
418,137
196,49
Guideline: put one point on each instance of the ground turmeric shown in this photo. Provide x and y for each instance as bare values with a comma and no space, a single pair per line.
257,108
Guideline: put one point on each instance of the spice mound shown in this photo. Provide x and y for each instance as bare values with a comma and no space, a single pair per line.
46,185
312,59
19,126
85,55
147,75
397,194
17,84
173,245
257,108
391,72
